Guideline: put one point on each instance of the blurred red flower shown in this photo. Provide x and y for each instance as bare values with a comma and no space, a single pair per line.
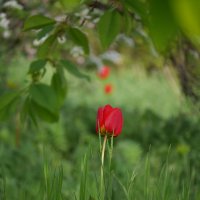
108,88
109,121
103,72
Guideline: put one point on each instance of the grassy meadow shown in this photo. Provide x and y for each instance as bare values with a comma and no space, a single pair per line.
156,157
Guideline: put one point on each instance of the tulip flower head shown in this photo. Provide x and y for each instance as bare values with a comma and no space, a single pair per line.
103,72
108,88
109,121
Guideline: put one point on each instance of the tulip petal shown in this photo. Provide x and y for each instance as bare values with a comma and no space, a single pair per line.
114,122
106,112
99,119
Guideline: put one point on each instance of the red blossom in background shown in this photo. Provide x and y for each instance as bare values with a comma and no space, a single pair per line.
108,88
103,72
109,121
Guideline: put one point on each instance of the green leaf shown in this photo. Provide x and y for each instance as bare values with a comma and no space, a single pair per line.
71,68
162,26
108,27
45,97
42,103
7,98
46,47
79,38
69,5
10,110
9,103
24,110
37,65
59,85
128,24
188,16
37,22
28,112
42,112
136,6
44,31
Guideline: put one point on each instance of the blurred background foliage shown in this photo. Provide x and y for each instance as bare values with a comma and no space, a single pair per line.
51,53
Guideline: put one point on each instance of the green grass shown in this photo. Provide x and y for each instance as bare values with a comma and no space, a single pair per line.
142,182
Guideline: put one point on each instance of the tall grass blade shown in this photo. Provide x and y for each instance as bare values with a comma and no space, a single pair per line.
83,183
2,188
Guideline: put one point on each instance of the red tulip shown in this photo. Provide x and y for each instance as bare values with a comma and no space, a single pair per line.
109,121
108,88
103,72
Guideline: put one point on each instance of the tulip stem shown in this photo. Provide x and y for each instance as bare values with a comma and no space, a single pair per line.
102,166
